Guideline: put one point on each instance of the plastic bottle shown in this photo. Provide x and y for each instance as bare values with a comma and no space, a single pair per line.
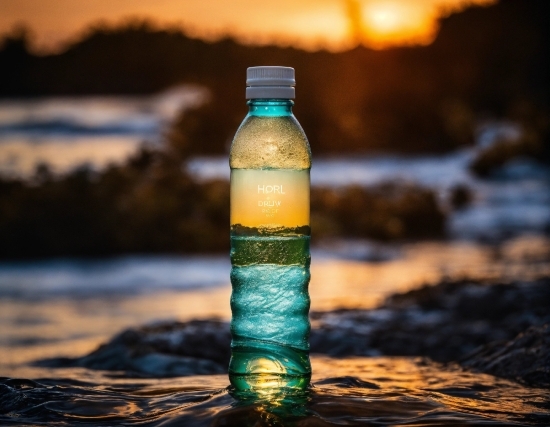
270,162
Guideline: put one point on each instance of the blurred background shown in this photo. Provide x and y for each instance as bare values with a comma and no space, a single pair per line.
429,123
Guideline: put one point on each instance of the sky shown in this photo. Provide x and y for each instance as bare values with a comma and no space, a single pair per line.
310,24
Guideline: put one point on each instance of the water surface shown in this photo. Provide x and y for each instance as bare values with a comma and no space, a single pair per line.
65,132
355,392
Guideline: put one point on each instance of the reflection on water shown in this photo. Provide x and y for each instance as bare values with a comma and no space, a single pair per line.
65,132
21,156
355,392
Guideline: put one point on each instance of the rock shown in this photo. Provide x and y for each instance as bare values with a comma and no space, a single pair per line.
445,322
171,349
460,196
525,359
529,144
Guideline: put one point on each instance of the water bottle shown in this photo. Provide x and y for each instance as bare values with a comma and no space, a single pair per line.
270,161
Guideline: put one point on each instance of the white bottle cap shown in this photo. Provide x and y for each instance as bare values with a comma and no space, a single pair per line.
270,82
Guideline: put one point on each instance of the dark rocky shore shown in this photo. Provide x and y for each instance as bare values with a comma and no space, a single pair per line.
496,328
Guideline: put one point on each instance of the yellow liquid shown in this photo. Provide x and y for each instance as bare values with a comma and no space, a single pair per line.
270,143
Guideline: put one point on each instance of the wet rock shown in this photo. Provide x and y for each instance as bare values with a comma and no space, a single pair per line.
526,358
445,322
171,349
461,196
530,144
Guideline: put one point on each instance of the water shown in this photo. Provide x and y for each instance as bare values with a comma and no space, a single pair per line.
123,276
65,132
354,391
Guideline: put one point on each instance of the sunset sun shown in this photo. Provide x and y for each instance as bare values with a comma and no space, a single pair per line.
309,24
387,23
384,18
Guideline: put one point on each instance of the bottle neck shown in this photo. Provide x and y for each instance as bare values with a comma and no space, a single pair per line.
270,107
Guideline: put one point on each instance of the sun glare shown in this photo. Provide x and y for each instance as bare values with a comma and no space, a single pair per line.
384,19
310,24
387,23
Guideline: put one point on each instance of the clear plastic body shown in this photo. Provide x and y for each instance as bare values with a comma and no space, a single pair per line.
270,161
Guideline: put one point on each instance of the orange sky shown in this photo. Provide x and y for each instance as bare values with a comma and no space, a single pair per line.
304,23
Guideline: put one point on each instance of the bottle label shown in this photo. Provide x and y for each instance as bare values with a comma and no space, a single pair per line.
270,198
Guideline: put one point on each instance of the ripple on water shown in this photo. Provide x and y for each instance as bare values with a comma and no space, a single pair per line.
355,391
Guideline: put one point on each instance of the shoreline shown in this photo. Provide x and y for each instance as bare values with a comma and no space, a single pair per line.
483,326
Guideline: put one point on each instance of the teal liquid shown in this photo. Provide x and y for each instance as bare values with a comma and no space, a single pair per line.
270,306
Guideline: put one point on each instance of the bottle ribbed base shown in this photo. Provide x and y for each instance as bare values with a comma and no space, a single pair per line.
263,369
